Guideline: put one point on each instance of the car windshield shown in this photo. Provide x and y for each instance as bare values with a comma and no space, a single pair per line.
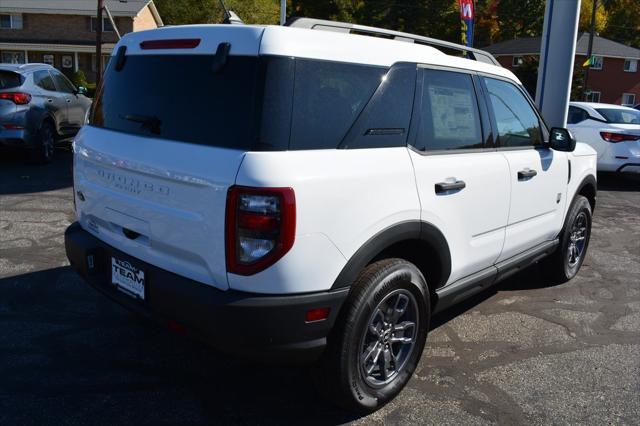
620,116
9,79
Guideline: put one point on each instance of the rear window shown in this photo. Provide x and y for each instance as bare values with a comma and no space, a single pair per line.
182,98
620,116
266,103
9,79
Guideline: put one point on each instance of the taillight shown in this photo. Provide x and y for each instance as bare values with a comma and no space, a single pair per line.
260,227
17,98
618,137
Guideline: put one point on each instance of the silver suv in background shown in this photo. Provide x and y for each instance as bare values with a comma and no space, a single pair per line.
39,106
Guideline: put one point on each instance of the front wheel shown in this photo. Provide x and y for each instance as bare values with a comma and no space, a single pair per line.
379,337
565,263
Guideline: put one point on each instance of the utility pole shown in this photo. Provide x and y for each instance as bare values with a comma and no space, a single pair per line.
99,42
283,11
590,48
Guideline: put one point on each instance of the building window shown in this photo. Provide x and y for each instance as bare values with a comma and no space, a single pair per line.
105,61
628,99
11,22
592,96
597,63
631,65
517,61
12,58
106,24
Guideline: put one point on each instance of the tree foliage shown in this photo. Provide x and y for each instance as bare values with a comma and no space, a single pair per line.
180,12
496,20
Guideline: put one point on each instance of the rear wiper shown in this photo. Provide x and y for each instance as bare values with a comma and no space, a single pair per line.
148,122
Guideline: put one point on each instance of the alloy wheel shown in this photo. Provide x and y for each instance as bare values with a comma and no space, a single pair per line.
389,339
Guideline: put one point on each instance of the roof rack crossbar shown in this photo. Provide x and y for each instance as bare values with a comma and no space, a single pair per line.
345,27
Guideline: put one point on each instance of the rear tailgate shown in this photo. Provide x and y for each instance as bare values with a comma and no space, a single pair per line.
167,135
174,198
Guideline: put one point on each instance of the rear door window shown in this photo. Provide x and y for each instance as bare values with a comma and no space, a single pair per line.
9,79
43,80
328,96
181,98
449,118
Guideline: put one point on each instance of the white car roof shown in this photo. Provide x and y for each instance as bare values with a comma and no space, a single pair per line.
304,43
598,105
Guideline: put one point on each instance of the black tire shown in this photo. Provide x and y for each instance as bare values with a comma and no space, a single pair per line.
341,374
44,150
565,262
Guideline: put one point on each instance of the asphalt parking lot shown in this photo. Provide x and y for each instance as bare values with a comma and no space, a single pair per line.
522,353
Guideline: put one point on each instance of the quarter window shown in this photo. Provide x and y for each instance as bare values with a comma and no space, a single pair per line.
449,117
43,79
576,115
516,120
327,98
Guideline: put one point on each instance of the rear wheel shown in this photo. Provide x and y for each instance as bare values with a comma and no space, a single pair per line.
45,146
565,263
379,337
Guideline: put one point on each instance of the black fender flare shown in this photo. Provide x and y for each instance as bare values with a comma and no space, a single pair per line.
588,180
404,231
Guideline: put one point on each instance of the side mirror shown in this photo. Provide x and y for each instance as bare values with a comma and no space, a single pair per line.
561,140
81,90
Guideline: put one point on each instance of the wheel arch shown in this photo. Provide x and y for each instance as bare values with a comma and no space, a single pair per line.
589,189
420,243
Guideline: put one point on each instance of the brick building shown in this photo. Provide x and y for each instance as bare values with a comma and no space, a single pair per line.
62,32
614,76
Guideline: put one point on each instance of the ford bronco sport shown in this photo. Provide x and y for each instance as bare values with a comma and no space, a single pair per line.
310,195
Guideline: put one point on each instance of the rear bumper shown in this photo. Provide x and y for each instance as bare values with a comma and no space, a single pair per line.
262,327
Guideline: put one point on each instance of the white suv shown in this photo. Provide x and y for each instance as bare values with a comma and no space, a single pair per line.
312,195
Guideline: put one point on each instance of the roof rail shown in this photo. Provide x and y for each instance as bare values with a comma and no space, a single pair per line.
345,27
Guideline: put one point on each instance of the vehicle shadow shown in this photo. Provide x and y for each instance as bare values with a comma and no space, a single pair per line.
18,175
618,182
68,353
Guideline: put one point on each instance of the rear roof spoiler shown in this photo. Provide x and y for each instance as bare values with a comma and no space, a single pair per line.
345,27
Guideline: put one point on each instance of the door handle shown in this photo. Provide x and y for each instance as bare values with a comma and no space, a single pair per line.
526,174
49,100
449,186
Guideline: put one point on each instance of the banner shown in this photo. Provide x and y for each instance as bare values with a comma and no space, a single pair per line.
467,13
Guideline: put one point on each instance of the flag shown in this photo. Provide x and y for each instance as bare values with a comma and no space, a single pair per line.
466,20
588,62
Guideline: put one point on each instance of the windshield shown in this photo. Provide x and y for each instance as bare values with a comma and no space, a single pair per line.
620,116
9,79
181,98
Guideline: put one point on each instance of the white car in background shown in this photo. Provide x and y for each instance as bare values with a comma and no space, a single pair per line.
612,130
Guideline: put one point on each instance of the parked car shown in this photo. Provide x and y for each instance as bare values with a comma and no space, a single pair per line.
612,130
39,106
321,197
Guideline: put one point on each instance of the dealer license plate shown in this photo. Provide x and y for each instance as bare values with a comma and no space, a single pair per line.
127,278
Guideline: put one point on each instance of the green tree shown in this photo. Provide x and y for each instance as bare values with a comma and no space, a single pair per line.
586,8
519,18
623,21
180,12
